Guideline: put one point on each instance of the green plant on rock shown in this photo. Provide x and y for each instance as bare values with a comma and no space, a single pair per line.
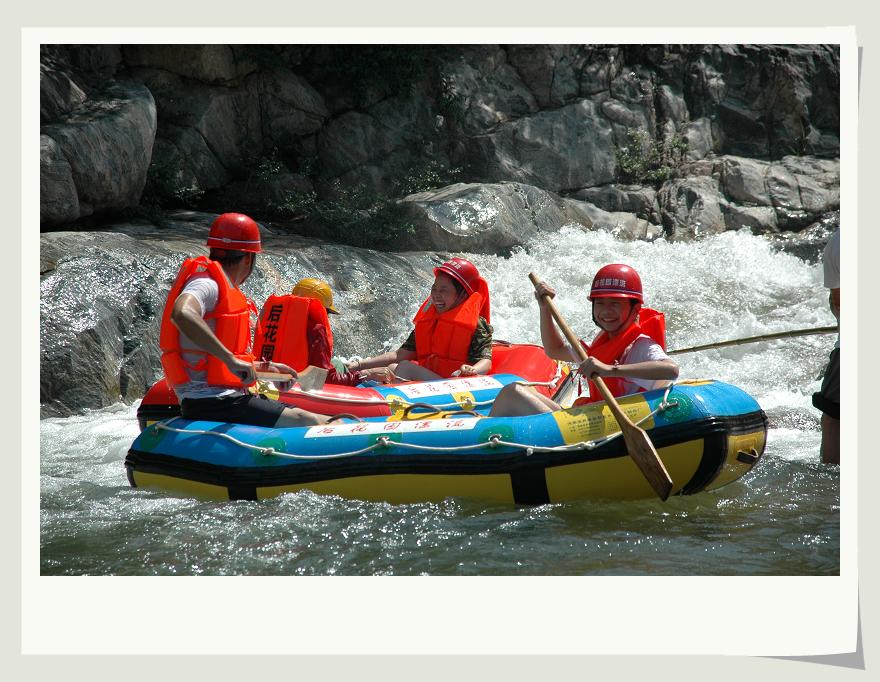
166,189
426,174
643,160
451,104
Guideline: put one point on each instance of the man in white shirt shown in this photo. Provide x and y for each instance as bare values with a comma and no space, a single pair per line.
206,337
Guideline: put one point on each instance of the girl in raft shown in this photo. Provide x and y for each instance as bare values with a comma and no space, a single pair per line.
452,335
295,329
628,353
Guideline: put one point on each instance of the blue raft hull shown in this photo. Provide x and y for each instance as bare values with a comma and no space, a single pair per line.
708,434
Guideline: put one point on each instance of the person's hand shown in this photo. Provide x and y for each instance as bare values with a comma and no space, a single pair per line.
281,368
592,366
243,370
465,371
381,374
544,289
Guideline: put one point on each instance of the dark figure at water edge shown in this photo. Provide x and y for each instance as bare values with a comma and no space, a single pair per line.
628,353
206,334
828,398
452,335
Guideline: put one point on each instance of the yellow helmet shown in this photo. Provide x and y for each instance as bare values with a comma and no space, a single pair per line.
318,289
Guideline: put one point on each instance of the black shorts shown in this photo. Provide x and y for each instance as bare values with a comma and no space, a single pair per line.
257,410
828,398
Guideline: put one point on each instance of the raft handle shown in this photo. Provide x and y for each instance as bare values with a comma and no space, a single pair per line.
749,457
344,415
431,409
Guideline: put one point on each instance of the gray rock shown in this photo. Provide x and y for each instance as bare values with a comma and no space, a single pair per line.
602,64
759,219
620,224
59,203
291,107
491,218
567,148
701,139
549,71
108,143
802,189
743,181
487,90
188,161
642,201
353,140
206,63
673,106
59,93
692,208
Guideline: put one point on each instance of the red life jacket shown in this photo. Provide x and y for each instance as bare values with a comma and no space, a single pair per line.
232,320
649,322
282,330
444,339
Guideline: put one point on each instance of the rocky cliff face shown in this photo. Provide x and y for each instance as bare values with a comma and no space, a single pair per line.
287,131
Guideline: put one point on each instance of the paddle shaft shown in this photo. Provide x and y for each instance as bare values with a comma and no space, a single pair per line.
637,442
754,339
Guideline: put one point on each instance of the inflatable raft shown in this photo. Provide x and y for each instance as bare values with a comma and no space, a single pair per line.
707,433
510,362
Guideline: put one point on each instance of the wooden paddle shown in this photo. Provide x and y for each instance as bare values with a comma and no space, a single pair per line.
639,446
755,339
310,379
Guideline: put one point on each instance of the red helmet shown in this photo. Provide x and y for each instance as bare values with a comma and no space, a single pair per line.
462,271
235,232
616,281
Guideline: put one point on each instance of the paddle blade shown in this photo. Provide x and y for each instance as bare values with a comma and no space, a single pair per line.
641,449
312,378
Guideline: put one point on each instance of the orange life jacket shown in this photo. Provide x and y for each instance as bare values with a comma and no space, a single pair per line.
282,330
649,322
232,320
443,339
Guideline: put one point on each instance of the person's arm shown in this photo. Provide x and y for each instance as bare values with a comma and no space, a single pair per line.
554,344
656,370
320,355
834,302
405,352
187,317
480,367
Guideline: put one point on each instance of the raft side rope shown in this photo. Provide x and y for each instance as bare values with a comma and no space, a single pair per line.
493,441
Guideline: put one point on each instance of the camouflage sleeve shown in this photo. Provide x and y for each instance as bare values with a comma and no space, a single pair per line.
410,343
481,342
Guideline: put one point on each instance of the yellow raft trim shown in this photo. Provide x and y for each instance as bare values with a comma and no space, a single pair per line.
595,420
205,491
733,469
619,478
405,488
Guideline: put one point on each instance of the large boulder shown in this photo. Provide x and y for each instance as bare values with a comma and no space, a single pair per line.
550,72
771,100
482,90
561,149
108,143
487,218
641,201
692,207
59,203
205,63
